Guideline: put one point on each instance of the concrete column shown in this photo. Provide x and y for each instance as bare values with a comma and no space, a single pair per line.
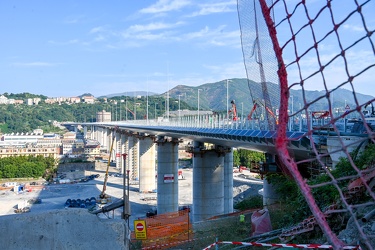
93,133
101,137
269,194
147,155
124,150
228,182
133,158
167,180
75,129
85,132
117,148
208,184
108,140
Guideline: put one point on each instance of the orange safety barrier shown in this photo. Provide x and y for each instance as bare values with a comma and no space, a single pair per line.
166,229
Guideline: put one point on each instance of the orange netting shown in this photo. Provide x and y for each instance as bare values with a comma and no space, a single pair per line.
166,230
312,60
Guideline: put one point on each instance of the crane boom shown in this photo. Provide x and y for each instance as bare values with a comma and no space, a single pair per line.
103,195
233,110
257,103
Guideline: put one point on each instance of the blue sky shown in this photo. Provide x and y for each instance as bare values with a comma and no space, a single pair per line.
67,48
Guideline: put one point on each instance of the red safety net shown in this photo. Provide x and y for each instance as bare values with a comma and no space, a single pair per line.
314,62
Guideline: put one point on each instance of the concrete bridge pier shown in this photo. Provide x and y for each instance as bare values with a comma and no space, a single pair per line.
100,135
167,179
133,158
208,182
228,182
106,139
85,132
92,131
269,194
117,149
147,156
124,150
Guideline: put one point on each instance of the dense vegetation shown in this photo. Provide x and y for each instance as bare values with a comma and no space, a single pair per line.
25,118
26,166
243,157
292,207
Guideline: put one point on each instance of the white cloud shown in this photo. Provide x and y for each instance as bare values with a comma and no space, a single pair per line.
97,29
74,19
353,27
207,9
33,64
153,26
165,6
72,41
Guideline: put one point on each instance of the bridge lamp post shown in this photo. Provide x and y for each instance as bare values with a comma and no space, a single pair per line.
179,107
126,107
198,107
241,111
147,107
155,110
227,111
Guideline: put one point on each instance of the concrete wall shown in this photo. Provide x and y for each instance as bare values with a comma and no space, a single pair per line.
80,166
60,229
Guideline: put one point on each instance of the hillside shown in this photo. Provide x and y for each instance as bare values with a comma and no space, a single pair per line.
213,96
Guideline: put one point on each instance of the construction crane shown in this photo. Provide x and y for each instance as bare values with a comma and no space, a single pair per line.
131,112
103,197
256,104
233,111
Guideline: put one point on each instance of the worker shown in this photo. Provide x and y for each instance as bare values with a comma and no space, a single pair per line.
242,218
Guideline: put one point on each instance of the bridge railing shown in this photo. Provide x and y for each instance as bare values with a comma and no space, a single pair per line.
217,121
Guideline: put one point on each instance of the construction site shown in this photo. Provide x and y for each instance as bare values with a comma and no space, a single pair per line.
42,217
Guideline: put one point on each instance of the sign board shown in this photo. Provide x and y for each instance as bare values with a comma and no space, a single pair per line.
118,155
140,229
168,178
347,107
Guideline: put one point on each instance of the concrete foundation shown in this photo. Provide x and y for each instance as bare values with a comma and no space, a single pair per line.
167,185
61,229
147,181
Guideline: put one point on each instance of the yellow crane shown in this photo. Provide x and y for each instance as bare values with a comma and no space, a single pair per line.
103,197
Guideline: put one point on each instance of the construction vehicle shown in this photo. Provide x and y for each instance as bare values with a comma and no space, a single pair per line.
103,197
256,104
233,111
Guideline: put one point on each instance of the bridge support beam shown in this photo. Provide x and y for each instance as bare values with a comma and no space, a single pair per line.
147,155
208,183
167,180
228,182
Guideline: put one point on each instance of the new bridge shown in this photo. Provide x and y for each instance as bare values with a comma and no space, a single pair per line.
141,144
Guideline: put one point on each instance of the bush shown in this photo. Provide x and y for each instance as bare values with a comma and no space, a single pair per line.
250,203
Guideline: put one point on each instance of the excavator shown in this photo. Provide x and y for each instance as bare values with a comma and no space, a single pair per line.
103,197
